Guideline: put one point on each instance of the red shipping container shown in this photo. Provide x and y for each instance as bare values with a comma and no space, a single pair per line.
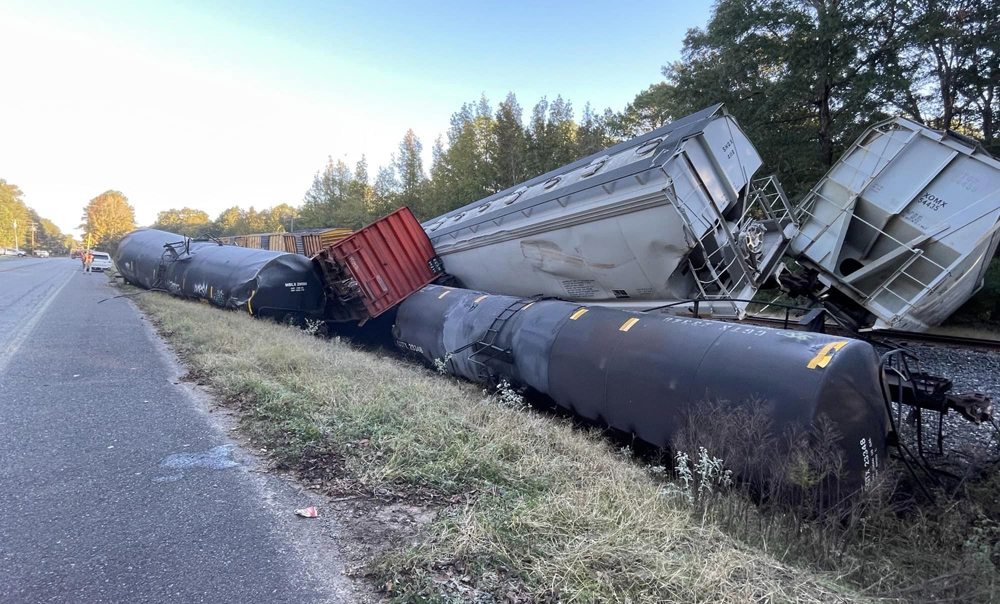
389,259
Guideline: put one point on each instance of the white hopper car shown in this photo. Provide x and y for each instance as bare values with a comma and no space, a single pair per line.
670,216
903,225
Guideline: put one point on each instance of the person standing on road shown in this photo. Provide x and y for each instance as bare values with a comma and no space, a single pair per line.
88,259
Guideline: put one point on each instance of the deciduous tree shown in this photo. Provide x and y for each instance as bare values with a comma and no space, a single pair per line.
185,221
13,211
106,219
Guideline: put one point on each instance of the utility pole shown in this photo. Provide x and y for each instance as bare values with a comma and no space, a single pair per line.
32,226
15,234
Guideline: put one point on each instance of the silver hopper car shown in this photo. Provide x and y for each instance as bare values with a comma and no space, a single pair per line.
903,226
669,216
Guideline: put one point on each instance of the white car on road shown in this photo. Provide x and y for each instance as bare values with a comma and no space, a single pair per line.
102,262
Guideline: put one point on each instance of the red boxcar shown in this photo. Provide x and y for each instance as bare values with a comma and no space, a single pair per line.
377,267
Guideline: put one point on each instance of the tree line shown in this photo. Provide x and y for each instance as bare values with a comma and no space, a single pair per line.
231,221
13,211
803,78
483,152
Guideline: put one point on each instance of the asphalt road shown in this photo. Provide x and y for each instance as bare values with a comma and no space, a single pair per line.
114,485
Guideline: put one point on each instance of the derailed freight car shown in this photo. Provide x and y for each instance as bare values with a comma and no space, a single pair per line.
642,372
354,279
669,216
269,284
902,227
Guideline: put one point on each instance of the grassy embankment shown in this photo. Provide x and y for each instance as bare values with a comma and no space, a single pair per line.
545,511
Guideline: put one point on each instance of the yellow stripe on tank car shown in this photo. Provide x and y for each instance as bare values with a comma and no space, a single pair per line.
527,305
250,308
444,294
627,325
576,315
825,355
479,299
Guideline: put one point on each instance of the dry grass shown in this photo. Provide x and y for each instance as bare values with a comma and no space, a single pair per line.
549,510
531,508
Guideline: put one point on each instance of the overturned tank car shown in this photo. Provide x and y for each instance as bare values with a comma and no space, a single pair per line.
642,372
269,284
899,233
670,216
356,278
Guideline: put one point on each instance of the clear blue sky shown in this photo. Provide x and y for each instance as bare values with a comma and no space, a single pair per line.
212,104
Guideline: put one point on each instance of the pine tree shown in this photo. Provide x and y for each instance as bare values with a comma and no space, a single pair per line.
385,192
593,134
539,156
410,167
561,134
511,144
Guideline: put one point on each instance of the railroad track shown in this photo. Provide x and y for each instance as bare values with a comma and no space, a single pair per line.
888,334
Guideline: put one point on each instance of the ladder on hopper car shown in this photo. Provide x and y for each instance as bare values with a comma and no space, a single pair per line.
485,349
727,266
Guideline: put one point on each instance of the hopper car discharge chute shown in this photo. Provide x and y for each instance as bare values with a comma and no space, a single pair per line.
899,233
355,279
672,215
640,372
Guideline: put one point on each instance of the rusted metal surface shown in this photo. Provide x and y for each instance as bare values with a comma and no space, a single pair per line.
331,236
312,244
308,242
377,267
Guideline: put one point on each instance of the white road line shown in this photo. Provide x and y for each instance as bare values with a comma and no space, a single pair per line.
28,326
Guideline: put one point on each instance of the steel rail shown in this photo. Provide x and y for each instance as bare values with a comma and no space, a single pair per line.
909,336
